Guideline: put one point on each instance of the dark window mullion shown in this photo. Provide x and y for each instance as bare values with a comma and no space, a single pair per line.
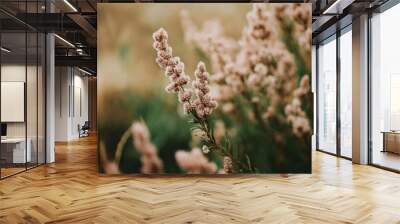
369,96
26,87
37,90
338,76
317,97
0,94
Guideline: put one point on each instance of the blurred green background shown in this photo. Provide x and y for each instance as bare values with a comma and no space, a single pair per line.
131,84
131,88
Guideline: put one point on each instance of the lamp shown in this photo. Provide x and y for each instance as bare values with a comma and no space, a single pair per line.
5,50
84,71
64,40
337,7
70,5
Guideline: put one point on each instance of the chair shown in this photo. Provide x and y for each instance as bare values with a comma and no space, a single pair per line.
84,130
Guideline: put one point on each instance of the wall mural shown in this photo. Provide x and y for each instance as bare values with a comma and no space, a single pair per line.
204,88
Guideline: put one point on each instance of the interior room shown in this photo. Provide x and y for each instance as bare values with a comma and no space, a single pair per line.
85,140
71,100
385,106
22,100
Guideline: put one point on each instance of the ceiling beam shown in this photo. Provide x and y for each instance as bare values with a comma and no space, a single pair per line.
49,22
338,6
84,24
77,61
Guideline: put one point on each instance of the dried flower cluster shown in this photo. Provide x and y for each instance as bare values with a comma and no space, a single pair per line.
220,49
227,164
295,115
194,162
204,103
141,138
260,63
140,134
205,149
110,167
210,39
269,62
174,68
256,79
302,16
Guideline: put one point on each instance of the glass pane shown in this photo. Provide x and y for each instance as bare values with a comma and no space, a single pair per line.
386,89
31,100
313,89
23,90
41,98
327,96
13,89
346,94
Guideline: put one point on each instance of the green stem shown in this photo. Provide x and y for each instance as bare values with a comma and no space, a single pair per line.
205,128
121,144
204,124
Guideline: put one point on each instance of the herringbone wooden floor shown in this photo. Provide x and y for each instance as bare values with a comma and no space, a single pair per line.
71,191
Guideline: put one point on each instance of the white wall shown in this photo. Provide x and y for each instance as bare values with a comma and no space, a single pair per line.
360,90
16,73
62,81
50,94
71,87
13,101
33,127
12,73
80,111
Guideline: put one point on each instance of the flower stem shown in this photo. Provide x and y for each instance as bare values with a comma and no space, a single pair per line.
121,144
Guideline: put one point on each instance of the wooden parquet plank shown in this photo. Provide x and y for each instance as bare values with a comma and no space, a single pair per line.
71,191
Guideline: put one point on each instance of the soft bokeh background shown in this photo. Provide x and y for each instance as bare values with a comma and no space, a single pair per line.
131,85
126,58
129,77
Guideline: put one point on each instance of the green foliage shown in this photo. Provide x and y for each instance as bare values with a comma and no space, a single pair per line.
293,46
254,148
254,144
169,131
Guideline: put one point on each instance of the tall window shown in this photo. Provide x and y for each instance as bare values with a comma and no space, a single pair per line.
22,90
346,92
314,91
327,95
385,89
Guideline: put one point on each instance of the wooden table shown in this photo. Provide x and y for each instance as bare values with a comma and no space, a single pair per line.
391,141
13,150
